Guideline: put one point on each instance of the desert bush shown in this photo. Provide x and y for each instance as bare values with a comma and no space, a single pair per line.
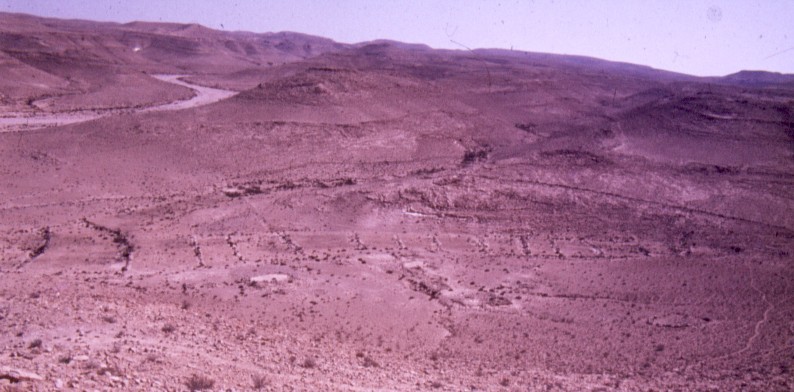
197,382
658,348
475,155
369,362
35,344
260,381
91,365
526,127
308,363
168,328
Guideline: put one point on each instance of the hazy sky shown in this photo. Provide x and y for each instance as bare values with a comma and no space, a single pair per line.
713,37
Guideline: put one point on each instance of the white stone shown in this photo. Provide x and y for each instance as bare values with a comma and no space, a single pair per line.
413,264
270,278
19,374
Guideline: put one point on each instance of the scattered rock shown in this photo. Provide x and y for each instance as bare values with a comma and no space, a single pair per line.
670,321
270,278
413,264
18,375
499,301
241,190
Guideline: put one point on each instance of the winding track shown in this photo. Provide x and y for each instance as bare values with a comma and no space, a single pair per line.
203,96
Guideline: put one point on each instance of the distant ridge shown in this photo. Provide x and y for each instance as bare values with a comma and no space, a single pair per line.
759,78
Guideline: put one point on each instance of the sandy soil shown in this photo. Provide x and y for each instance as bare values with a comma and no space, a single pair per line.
387,217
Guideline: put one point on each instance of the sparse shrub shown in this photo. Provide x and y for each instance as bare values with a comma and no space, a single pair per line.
504,382
66,359
369,362
37,343
471,156
308,363
526,127
168,328
197,382
260,381
109,319
659,348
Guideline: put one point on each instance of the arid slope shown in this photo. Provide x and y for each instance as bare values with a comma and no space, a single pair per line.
384,216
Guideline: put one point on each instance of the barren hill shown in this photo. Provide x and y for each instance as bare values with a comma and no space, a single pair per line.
84,64
384,216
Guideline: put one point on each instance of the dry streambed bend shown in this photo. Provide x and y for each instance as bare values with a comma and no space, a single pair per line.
11,122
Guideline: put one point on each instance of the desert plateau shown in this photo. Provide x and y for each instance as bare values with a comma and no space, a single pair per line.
183,208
